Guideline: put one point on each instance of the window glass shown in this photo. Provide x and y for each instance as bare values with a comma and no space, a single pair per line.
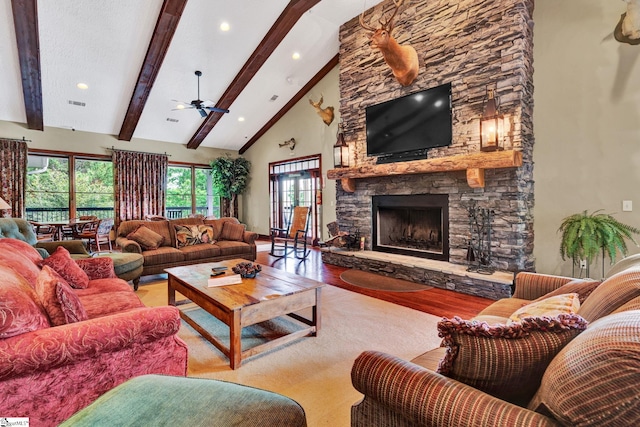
94,188
178,203
47,195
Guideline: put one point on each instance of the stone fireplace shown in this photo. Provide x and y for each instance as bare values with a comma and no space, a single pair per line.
416,225
475,46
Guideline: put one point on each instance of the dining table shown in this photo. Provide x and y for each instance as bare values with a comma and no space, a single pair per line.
64,223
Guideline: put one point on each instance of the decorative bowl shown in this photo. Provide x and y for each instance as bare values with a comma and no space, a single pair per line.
247,270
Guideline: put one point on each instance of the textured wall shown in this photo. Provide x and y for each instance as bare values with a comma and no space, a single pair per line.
473,45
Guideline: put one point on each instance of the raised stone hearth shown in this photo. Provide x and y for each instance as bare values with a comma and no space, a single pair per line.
434,273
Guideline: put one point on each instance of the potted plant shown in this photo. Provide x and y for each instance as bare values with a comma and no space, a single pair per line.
230,178
584,235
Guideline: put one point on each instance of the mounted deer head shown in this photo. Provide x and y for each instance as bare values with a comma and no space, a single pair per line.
326,114
402,59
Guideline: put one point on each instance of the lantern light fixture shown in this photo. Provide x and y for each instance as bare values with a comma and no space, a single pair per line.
340,150
491,125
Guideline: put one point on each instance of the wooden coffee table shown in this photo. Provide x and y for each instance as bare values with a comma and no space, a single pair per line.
271,294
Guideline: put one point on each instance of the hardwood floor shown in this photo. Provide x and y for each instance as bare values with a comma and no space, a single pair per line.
439,302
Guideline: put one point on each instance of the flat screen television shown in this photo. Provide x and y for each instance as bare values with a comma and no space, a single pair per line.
406,127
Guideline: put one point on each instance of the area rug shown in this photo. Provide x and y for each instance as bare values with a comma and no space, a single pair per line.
365,279
315,371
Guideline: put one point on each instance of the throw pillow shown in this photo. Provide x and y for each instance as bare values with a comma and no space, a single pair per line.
593,381
231,231
549,307
611,294
20,309
505,361
148,239
66,267
582,287
60,302
188,235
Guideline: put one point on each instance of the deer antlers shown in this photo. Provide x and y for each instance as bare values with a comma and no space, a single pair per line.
326,114
383,25
403,60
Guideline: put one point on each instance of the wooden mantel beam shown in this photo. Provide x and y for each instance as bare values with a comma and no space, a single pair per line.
474,163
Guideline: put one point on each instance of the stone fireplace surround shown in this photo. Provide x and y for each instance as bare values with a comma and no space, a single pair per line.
474,45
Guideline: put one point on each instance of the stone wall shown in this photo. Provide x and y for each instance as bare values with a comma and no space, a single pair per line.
475,46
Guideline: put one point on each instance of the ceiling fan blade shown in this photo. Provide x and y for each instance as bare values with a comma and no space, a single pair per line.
202,112
217,110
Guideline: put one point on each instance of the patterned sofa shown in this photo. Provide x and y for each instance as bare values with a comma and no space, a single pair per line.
185,241
571,369
70,330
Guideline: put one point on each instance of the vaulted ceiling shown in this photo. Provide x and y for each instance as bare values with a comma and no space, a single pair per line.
138,57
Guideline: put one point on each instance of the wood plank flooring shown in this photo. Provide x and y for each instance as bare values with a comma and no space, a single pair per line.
439,302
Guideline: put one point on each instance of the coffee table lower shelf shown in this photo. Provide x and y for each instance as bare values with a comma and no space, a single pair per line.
234,351
272,294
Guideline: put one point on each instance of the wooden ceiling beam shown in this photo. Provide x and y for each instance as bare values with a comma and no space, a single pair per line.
293,101
166,25
25,21
285,22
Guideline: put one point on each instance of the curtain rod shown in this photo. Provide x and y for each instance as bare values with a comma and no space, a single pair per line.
16,139
112,148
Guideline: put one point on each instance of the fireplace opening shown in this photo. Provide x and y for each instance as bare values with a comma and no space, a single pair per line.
416,225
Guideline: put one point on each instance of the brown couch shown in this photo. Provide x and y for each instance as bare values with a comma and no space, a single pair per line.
577,369
230,242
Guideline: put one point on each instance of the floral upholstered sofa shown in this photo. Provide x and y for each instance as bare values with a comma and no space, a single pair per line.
185,241
70,330
519,362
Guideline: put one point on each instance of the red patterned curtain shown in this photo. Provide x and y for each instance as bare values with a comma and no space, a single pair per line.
13,174
140,184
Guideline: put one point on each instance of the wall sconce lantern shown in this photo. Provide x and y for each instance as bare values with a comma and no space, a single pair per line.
491,125
340,150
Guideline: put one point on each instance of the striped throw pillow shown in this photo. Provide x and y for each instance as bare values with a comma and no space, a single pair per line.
505,361
594,380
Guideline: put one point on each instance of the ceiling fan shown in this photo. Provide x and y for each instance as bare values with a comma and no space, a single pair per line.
199,104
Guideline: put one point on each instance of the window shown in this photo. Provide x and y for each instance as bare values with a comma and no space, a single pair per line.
190,190
63,187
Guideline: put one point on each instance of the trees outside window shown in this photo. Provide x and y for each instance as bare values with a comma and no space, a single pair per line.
189,190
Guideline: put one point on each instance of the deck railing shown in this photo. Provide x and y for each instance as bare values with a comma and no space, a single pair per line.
44,215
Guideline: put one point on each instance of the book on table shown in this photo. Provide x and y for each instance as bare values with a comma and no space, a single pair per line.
233,279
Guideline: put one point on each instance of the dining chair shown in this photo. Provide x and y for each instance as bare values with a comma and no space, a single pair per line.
44,232
98,233
292,239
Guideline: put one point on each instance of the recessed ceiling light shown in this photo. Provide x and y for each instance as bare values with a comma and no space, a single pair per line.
296,55
241,119
224,26
82,86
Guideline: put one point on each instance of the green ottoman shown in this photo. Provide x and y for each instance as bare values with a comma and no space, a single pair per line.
128,266
156,400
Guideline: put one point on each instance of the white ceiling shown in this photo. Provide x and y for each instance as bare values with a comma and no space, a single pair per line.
103,44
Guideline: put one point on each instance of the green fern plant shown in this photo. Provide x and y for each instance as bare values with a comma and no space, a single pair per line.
584,235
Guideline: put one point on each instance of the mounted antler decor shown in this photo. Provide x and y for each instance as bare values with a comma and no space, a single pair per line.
326,114
628,28
290,143
402,59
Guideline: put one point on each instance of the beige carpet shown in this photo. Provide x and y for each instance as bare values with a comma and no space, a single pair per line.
316,371
365,279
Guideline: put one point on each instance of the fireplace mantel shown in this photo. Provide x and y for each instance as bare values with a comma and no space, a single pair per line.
474,163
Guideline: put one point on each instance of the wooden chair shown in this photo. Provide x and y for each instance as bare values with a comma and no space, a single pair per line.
98,233
72,230
294,238
44,232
